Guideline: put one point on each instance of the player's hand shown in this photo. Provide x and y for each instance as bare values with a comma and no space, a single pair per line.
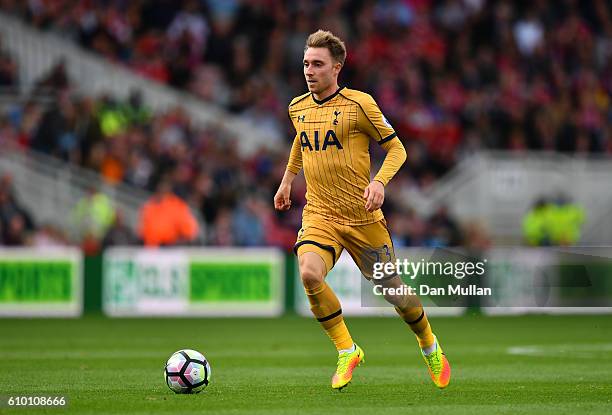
282,200
374,196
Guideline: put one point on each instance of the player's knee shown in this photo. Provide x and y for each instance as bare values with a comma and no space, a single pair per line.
394,285
312,274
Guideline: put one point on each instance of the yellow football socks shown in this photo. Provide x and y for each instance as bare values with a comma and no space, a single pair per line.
417,320
326,308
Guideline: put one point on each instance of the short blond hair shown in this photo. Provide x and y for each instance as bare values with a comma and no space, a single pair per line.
326,39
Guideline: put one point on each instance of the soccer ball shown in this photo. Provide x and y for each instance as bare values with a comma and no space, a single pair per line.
187,371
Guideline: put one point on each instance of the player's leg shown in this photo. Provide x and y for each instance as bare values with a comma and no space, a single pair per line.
317,251
411,310
324,303
372,243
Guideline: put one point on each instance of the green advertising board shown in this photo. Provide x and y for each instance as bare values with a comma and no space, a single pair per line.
193,282
41,282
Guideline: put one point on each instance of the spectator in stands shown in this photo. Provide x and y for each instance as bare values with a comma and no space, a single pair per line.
221,232
9,79
56,133
15,231
443,230
408,228
536,222
47,236
55,80
119,234
566,221
166,219
555,222
92,216
16,224
247,226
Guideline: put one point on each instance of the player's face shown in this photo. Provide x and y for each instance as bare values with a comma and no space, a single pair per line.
321,71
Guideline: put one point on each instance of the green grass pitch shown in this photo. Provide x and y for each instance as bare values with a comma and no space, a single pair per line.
509,365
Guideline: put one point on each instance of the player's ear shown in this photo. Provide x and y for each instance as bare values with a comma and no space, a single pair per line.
337,67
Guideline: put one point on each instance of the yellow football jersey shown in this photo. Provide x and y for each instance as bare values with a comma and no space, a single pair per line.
332,146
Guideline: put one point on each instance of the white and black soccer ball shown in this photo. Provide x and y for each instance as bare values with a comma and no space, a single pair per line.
187,371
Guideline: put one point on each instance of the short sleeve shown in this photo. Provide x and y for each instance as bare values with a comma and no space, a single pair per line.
373,122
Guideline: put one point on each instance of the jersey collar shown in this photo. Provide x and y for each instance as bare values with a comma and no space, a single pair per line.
324,100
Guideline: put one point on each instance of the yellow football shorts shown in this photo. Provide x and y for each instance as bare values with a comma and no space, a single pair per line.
365,243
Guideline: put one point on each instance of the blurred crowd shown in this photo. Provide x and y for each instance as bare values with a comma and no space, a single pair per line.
452,76
126,143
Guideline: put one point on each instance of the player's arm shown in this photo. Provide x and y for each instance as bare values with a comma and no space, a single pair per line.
373,122
374,194
395,158
282,198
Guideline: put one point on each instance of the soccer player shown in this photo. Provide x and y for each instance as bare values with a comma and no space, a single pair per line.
333,128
